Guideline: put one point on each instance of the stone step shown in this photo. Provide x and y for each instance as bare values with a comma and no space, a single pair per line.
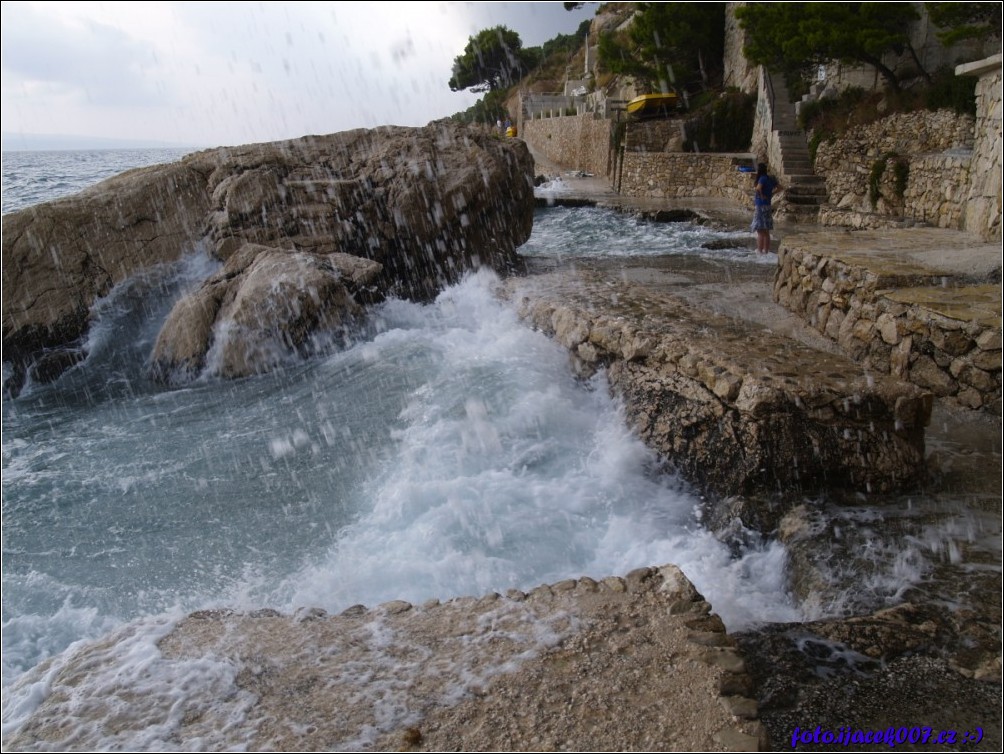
799,213
796,167
804,189
806,179
804,201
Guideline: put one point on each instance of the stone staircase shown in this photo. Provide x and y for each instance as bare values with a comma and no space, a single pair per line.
804,191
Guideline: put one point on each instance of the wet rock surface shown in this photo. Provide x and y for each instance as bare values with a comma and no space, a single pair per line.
738,409
624,663
424,204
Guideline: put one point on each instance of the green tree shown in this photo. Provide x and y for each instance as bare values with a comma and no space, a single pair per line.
794,37
959,21
493,59
668,42
488,109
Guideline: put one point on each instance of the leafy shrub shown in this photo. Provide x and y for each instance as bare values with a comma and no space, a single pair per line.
901,174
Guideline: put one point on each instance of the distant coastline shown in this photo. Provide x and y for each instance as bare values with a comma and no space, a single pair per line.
18,142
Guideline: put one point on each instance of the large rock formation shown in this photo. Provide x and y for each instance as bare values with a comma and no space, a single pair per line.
422,205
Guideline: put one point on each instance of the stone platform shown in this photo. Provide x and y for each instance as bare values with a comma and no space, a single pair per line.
921,304
918,303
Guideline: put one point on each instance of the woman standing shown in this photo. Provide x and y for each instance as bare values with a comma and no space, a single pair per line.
763,219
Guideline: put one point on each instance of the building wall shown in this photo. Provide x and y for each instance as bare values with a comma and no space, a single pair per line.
924,40
983,204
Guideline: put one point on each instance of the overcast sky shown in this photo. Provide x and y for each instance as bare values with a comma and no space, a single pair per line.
223,73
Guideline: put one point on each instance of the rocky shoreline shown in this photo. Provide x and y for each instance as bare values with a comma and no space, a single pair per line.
639,662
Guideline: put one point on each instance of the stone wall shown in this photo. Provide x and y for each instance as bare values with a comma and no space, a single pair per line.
578,142
877,320
983,205
681,174
659,135
935,149
936,190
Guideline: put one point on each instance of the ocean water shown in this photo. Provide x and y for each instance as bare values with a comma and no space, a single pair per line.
35,177
448,451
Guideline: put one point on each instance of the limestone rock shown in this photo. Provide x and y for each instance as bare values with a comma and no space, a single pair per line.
731,406
590,668
265,304
425,204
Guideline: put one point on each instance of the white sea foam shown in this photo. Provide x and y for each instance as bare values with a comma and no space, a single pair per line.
452,454
507,472
597,232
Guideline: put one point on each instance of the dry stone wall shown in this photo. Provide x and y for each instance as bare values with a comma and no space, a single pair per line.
668,175
885,322
932,150
660,135
578,142
936,191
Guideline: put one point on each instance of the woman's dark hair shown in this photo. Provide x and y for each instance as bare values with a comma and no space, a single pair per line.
761,169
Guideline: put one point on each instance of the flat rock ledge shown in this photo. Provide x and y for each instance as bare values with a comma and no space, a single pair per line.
737,409
618,664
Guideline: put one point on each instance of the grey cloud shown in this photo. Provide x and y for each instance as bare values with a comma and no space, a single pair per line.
103,64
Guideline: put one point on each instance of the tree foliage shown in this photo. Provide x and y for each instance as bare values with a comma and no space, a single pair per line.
493,59
564,43
793,37
488,109
959,21
668,45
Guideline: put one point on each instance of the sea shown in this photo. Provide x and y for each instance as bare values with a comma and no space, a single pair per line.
449,450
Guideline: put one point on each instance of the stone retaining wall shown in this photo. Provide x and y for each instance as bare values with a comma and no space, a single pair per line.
578,142
882,322
934,149
937,190
681,174
662,135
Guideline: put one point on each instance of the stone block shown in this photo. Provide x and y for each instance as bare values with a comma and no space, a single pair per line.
887,328
989,361
926,373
